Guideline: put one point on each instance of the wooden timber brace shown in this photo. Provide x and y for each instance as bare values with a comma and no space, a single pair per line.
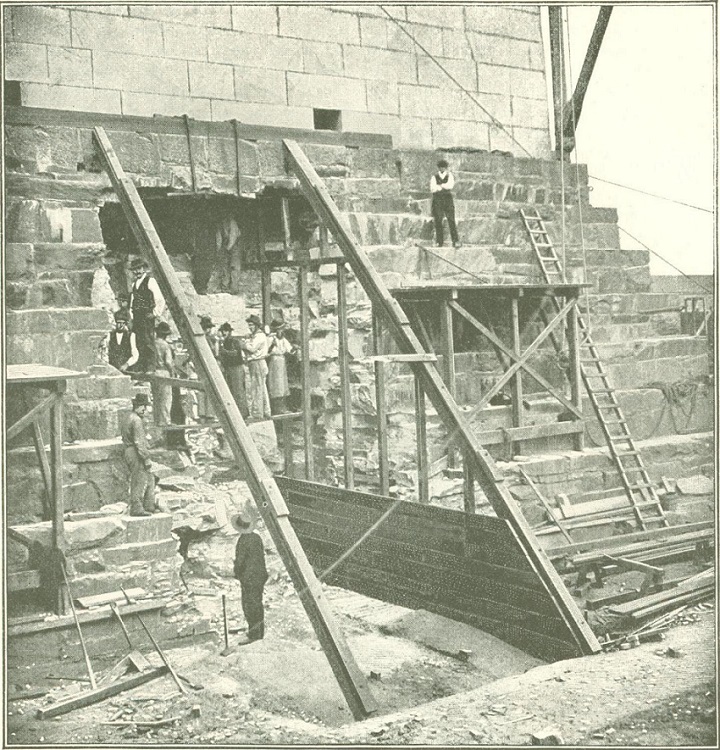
266,494
481,464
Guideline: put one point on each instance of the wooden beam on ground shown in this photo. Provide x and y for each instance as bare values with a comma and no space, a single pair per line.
27,419
90,697
481,463
304,302
344,367
421,440
545,504
265,491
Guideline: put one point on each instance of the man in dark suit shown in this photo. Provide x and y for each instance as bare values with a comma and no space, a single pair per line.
250,570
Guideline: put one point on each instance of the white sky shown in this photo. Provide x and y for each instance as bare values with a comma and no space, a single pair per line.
647,122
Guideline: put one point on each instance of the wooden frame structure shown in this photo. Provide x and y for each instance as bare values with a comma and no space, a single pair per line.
266,494
53,379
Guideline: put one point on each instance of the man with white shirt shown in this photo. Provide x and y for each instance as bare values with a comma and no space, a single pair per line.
441,185
256,348
121,346
146,304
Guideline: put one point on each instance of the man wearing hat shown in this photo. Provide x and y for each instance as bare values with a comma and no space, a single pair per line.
137,457
162,392
120,344
250,570
256,348
146,303
204,408
277,379
441,186
231,360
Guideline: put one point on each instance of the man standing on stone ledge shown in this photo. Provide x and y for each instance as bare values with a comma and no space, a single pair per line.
121,346
249,568
137,457
162,392
232,360
146,304
441,185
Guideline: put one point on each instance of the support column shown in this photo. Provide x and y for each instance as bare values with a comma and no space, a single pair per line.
305,378
421,432
517,388
56,468
381,411
343,364
285,220
448,351
557,67
39,444
574,374
468,487
266,293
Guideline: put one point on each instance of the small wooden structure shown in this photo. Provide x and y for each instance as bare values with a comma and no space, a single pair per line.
53,379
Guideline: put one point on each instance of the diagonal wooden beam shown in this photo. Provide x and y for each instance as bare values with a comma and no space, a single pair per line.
520,362
27,419
265,492
491,480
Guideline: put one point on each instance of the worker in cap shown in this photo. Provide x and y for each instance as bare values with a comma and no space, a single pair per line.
277,379
232,360
120,344
146,304
249,568
137,457
165,366
256,350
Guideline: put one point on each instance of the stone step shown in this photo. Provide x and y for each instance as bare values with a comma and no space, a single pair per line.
29,262
37,221
103,382
69,289
95,419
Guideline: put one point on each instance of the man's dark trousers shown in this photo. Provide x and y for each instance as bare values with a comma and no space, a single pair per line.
251,599
144,329
444,206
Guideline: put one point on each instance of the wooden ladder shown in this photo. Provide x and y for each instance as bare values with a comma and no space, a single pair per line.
625,454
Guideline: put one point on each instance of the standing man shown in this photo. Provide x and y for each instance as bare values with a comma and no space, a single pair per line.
137,457
232,360
441,185
250,570
277,380
146,303
165,361
121,347
256,347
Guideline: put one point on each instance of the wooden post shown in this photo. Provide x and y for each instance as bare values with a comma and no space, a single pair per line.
56,468
266,293
557,67
323,240
381,411
343,364
517,388
285,219
377,331
448,350
468,487
421,432
287,446
260,232
303,297
574,375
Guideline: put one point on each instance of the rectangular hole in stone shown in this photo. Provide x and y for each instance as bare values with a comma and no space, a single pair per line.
327,119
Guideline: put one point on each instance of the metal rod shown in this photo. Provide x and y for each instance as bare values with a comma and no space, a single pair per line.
86,656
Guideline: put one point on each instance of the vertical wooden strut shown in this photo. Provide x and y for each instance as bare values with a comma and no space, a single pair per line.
481,463
265,491
344,366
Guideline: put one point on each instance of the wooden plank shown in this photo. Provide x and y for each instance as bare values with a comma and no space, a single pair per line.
423,479
265,492
516,381
151,377
45,470
303,301
98,600
32,416
381,416
402,358
56,470
545,505
34,116
448,345
90,697
285,222
575,374
35,373
529,432
344,368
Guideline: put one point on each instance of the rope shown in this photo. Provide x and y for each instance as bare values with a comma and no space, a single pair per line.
493,119
665,260
652,195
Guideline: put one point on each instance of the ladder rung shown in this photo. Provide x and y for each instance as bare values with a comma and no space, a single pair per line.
627,453
608,406
640,486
